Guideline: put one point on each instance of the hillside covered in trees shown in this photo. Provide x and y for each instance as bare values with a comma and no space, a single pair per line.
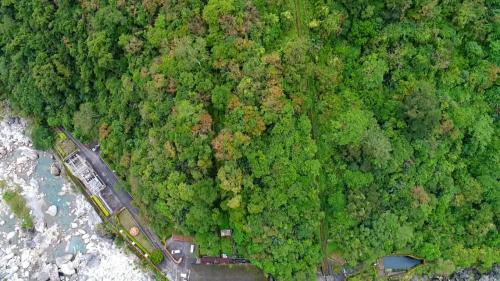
359,127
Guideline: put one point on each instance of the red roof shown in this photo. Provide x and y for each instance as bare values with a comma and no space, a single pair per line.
180,238
219,260
214,260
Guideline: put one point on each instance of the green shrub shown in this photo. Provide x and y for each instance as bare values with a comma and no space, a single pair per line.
119,241
156,256
105,229
160,277
42,137
18,206
226,246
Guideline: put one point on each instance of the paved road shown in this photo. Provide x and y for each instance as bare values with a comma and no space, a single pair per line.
110,179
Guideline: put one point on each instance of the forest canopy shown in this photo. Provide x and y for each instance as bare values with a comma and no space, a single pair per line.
310,128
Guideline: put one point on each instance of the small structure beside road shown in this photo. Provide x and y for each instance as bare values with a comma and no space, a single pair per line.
180,238
81,171
91,181
226,233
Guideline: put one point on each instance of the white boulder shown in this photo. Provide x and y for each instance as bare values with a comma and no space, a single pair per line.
31,154
55,170
93,261
67,269
52,211
7,258
3,151
63,259
12,270
53,272
10,235
42,276
40,226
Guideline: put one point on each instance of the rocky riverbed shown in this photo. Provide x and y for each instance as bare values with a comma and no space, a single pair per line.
64,244
468,274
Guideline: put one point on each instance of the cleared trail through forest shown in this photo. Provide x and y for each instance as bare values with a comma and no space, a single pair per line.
300,19
323,231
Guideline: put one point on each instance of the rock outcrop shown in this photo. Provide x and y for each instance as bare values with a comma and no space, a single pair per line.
55,170
67,269
52,211
467,274
63,259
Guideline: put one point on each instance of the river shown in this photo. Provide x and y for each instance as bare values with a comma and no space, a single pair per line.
64,245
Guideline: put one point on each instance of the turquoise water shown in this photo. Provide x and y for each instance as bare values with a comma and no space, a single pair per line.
51,186
400,262
10,224
75,245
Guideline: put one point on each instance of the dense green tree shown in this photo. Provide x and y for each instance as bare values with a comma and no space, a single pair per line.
42,137
421,110
85,120
362,128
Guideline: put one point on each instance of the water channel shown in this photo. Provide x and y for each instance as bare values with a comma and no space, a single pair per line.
400,263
